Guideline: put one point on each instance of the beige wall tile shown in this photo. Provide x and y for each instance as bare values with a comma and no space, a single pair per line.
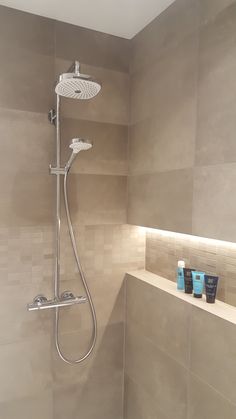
109,152
157,90
26,199
216,106
106,360
26,368
97,199
25,30
214,201
166,31
35,407
209,9
160,376
168,329
92,47
139,404
94,398
161,200
213,352
206,403
27,142
26,79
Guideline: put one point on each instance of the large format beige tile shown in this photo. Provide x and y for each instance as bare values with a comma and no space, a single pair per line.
213,351
105,361
27,142
168,329
160,91
206,403
97,199
25,368
161,377
216,124
26,79
166,31
166,141
210,9
92,47
26,199
110,105
138,404
25,30
161,200
92,398
27,408
109,152
214,202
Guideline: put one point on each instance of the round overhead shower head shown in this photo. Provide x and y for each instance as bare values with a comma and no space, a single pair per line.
77,86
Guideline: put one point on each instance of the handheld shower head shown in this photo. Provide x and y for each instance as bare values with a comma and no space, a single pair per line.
77,145
77,86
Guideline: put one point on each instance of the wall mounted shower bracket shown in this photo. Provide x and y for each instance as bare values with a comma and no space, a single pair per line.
52,116
57,170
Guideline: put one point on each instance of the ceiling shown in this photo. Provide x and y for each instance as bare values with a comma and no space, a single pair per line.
123,18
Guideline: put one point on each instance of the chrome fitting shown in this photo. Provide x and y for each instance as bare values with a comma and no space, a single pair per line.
56,170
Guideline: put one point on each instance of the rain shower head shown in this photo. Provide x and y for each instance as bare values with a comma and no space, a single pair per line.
77,86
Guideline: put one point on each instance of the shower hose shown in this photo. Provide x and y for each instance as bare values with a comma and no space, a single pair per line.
90,301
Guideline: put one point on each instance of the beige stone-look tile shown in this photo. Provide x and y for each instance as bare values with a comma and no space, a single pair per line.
138,404
162,200
160,376
111,105
212,356
26,199
26,80
27,142
36,407
109,152
16,323
92,398
25,30
92,47
210,9
169,29
168,329
165,141
214,202
105,361
217,89
97,199
160,91
206,403
25,368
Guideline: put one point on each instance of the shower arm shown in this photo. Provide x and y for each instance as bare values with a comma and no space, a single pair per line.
74,68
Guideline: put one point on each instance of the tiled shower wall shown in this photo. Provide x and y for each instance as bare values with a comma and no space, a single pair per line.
183,113
34,382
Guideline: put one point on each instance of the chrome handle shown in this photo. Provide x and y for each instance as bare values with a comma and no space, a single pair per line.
41,303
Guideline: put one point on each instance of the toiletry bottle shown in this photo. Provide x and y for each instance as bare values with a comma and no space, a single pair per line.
180,275
211,283
188,280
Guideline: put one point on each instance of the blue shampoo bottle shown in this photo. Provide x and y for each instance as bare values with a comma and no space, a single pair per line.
180,275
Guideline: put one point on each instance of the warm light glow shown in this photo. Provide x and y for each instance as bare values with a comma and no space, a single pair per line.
189,237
